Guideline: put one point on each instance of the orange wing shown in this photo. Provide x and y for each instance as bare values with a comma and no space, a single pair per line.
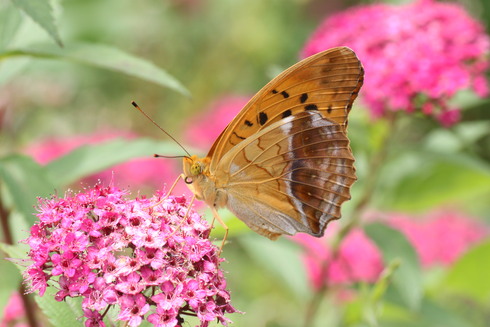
327,82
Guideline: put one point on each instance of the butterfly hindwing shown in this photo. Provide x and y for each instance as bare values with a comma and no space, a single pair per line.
327,82
290,177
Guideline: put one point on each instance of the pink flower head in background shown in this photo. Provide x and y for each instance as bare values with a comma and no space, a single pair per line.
439,238
14,314
416,56
357,260
151,258
205,128
141,173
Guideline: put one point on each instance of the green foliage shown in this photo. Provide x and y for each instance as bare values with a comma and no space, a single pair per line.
469,276
281,260
422,180
394,246
41,12
106,57
10,281
23,181
61,313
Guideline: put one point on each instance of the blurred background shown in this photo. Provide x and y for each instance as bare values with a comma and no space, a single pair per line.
412,248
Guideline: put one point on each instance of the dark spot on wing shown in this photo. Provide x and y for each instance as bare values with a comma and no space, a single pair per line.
240,137
248,123
263,118
274,91
285,94
286,113
329,109
303,97
311,107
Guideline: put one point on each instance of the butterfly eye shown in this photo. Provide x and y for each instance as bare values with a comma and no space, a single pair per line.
196,169
188,180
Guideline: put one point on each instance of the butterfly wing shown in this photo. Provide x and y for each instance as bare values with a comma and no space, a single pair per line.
290,177
327,82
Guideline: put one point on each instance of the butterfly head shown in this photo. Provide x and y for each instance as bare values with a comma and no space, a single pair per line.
193,167
196,175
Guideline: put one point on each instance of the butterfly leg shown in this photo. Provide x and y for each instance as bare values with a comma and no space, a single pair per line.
183,218
173,186
218,218
169,191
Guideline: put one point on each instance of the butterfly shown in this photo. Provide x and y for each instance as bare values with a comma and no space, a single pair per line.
284,165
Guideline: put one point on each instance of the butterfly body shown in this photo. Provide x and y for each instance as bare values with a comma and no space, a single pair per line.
284,164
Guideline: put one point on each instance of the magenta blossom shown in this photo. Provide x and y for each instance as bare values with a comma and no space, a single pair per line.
150,258
205,128
416,56
440,238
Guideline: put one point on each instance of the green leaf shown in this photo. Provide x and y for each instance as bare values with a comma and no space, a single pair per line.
12,68
41,12
106,57
281,258
60,313
422,180
18,251
9,282
407,280
24,180
469,275
90,159
460,137
431,314
10,21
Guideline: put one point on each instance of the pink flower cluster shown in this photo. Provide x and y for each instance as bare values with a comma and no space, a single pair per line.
439,239
151,258
416,56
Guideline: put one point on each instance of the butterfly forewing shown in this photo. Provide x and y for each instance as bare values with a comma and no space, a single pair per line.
290,177
327,82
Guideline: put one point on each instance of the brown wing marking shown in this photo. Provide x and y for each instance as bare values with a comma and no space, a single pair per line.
299,169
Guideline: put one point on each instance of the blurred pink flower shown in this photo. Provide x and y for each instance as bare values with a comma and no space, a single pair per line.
414,54
148,173
358,259
13,313
205,127
439,238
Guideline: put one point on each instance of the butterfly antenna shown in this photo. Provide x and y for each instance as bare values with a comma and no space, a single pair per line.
169,157
154,123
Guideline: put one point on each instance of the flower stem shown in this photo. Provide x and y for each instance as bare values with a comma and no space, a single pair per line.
4,215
